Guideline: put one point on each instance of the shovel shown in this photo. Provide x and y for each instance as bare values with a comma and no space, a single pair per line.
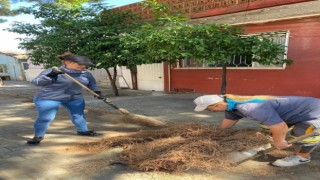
128,117
240,157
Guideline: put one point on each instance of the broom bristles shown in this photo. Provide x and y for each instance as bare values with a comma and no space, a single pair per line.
123,111
142,120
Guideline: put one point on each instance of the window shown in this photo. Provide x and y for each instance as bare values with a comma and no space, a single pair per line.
241,62
25,66
3,69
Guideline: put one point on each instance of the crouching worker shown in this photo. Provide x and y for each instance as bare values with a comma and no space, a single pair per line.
57,90
276,112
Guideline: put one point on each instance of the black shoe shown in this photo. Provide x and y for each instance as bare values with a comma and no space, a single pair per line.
35,140
86,133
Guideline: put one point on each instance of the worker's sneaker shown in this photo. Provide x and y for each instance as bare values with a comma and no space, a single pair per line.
35,140
292,160
86,133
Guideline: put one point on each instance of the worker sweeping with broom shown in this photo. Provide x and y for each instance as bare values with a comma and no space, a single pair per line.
57,90
276,112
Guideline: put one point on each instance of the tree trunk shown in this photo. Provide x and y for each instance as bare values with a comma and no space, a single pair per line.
113,80
224,79
134,77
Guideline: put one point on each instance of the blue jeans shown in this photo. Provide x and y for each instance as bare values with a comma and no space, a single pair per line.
47,110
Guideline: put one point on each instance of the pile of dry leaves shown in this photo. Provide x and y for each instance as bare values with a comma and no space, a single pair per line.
181,147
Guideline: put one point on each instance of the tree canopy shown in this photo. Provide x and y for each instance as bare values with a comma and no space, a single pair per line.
6,5
112,38
92,31
175,40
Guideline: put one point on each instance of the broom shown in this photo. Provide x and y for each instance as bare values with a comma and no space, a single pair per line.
237,158
128,117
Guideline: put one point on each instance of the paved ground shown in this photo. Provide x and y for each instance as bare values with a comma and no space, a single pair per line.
55,159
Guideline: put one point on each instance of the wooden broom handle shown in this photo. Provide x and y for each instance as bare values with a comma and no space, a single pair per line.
292,141
106,100
302,137
273,148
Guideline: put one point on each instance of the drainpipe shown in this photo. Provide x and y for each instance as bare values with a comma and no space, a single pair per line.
169,78
14,70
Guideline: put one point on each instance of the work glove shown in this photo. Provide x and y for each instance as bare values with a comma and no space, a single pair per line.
54,73
100,95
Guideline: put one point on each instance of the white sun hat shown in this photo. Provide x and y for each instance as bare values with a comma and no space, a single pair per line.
203,102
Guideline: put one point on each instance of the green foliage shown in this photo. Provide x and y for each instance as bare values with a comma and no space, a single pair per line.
115,38
150,36
209,43
83,30
5,5
66,3
163,13
172,39
265,51
93,31
5,10
71,3
214,43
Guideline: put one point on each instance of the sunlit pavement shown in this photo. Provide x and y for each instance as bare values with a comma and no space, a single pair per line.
53,159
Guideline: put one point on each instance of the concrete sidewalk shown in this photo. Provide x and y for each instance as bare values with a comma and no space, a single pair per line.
55,159
176,107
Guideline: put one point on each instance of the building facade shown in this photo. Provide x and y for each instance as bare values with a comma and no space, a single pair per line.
297,20
12,65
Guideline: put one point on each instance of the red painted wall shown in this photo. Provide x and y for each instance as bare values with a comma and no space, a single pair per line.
205,8
242,6
301,78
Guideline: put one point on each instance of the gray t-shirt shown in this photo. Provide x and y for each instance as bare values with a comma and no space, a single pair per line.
288,109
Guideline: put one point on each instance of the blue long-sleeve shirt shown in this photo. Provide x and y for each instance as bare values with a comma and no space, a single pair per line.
62,88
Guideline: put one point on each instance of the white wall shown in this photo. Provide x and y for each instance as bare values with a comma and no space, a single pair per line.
151,77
